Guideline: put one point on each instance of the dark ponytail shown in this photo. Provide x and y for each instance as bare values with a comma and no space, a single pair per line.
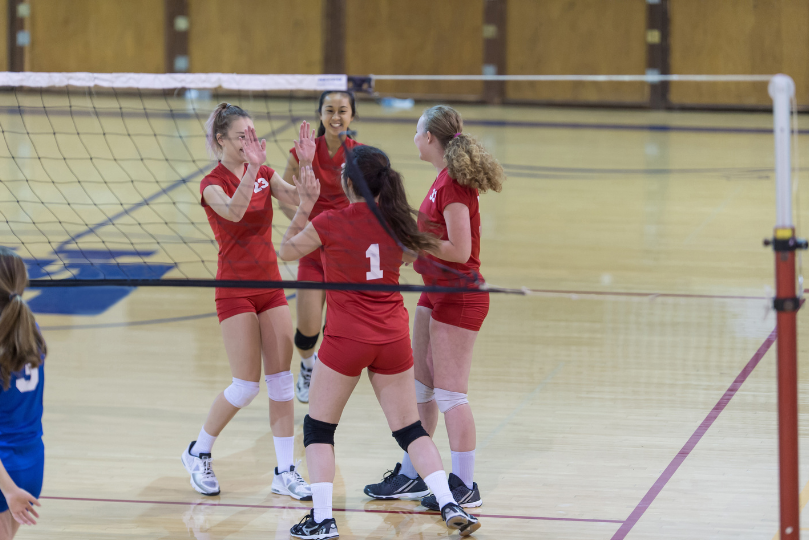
21,342
322,129
385,184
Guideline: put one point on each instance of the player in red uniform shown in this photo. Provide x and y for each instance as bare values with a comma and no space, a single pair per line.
336,111
366,329
446,325
255,323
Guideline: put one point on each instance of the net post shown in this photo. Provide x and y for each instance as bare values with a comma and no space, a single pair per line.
787,303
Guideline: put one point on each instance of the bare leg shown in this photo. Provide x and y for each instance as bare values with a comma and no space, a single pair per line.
397,396
423,365
276,347
452,360
243,346
329,393
8,526
309,307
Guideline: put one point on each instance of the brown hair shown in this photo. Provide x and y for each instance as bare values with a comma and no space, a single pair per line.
219,123
386,184
21,342
468,161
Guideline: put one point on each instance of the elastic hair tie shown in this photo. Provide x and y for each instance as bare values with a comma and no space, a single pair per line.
12,296
457,135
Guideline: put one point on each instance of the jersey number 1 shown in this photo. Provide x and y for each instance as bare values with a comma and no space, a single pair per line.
373,254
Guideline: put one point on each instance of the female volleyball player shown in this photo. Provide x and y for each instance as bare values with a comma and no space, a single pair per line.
255,323
324,154
446,325
22,380
366,329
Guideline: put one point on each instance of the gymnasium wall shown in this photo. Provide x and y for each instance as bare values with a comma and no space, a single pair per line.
434,37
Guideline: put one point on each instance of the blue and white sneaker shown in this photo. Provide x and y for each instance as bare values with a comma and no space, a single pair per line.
199,467
309,529
397,486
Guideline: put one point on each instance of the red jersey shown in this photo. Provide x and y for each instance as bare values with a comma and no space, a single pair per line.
356,249
328,169
445,191
245,247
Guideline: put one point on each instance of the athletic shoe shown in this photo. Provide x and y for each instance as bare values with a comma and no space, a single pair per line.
397,486
456,518
292,483
199,467
302,388
308,528
467,498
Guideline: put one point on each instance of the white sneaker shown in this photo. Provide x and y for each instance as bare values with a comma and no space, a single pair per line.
302,388
202,477
291,483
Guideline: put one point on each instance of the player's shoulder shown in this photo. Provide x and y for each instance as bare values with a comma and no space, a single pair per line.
266,172
216,176
351,143
450,187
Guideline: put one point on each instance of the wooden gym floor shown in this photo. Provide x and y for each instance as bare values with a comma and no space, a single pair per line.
631,395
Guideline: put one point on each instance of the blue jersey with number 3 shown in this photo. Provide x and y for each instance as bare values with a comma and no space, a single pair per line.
21,418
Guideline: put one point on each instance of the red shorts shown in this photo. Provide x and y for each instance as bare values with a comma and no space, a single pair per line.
310,267
350,357
465,310
258,303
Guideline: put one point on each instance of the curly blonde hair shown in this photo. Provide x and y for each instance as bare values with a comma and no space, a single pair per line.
467,159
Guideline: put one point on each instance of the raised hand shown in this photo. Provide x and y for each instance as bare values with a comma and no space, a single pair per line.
20,503
254,151
308,188
305,145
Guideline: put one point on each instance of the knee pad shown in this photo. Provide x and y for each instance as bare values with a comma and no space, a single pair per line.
305,343
317,432
449,400
240,393
408,434
280,386
424,394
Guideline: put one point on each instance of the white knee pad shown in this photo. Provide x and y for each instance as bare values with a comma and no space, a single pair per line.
424,394
240,393
280,386
449,400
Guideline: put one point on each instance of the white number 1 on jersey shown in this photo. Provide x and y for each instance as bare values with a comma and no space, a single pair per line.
373,254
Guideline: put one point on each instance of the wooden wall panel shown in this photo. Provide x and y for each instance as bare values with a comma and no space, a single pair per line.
3,35
579,37
97,35
255,36
739,37
416,37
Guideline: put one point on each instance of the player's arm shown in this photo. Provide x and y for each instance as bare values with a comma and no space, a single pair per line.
459,230
409,257
301,238
286,194
305,149
19,501
234,208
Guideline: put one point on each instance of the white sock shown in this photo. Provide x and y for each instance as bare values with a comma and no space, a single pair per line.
463,466
407,467
284,452
437,482
309,363
321,500
204,443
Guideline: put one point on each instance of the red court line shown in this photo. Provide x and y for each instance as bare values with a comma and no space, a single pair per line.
660,483
182,503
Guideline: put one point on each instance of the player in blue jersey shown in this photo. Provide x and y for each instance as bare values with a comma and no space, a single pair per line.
22,379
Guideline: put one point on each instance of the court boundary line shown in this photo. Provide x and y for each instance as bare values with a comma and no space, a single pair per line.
357,510
689,446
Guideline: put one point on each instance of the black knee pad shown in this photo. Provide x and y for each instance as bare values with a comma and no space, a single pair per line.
317,432
408,434
305,342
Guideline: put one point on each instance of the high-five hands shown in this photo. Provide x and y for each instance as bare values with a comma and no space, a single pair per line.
308,188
